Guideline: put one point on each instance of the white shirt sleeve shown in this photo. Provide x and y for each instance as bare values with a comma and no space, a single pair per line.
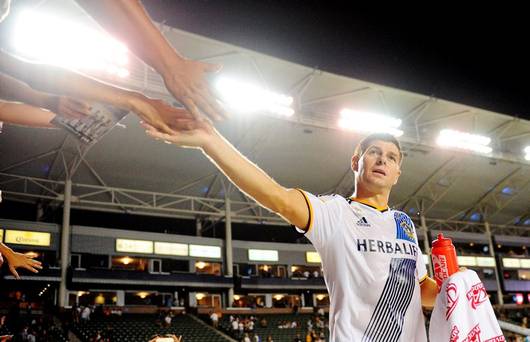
324,213
421,269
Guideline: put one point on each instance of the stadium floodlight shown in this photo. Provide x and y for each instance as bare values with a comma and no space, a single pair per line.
527,152
366,122
245,97
53,40
464,141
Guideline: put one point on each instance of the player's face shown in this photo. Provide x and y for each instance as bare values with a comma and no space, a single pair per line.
379,166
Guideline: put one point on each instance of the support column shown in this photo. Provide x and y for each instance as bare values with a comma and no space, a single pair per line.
65,242
426,246
228,247
120,294
492,253
198,227
268,300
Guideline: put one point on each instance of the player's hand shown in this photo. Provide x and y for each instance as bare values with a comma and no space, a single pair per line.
164,117
68,107
186,81
16,260
198,136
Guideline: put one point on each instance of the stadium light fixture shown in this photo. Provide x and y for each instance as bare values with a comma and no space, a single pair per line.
246,97
464,141
48,39
366,122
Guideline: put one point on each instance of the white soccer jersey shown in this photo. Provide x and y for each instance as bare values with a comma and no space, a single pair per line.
373,267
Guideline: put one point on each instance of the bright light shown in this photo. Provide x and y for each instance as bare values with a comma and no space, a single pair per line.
126,260
200,296
246,97
527,152
278,297
369,122
464,141
142,295
53,40
321,296
200,265
237,297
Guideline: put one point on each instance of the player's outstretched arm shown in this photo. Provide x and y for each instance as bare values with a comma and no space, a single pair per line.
247,176
185,79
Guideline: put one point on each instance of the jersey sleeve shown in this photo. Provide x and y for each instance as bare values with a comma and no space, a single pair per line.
323,217
420,267
420,263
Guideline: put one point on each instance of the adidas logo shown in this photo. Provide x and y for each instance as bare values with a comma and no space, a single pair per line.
363,222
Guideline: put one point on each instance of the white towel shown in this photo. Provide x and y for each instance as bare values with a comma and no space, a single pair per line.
463,312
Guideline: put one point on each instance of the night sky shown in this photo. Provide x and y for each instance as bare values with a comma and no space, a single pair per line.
475,56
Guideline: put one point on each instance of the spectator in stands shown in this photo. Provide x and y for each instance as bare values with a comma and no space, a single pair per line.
269,339
256,338
241,327
215,319
309,325
167,320
297,338
321,312
31,336
306,274
316,274
85,314
246,338
263,322
235,326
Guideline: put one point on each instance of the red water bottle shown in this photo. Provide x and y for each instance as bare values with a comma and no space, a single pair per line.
444,259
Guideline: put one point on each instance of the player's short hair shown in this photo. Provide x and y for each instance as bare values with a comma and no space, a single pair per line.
367,141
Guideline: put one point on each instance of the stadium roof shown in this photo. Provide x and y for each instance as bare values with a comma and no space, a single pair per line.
128,172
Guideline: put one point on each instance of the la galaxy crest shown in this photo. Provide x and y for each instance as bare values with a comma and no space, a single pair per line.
404,227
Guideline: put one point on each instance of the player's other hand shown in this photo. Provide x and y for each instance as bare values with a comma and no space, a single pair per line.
186,81
199,134
162,116
17,260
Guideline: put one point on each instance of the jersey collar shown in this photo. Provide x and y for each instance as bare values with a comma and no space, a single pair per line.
363,202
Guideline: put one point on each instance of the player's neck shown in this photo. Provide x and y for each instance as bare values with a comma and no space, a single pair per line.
376,200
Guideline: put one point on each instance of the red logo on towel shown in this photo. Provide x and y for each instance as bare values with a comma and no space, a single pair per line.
477,295
499,338
452,299
454,334
473,335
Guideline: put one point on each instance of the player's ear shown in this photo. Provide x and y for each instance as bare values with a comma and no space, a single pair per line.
397,176
355,163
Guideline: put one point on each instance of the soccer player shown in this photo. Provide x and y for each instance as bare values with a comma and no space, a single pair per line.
373,266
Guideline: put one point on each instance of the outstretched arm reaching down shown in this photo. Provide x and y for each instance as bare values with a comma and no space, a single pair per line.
184,78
